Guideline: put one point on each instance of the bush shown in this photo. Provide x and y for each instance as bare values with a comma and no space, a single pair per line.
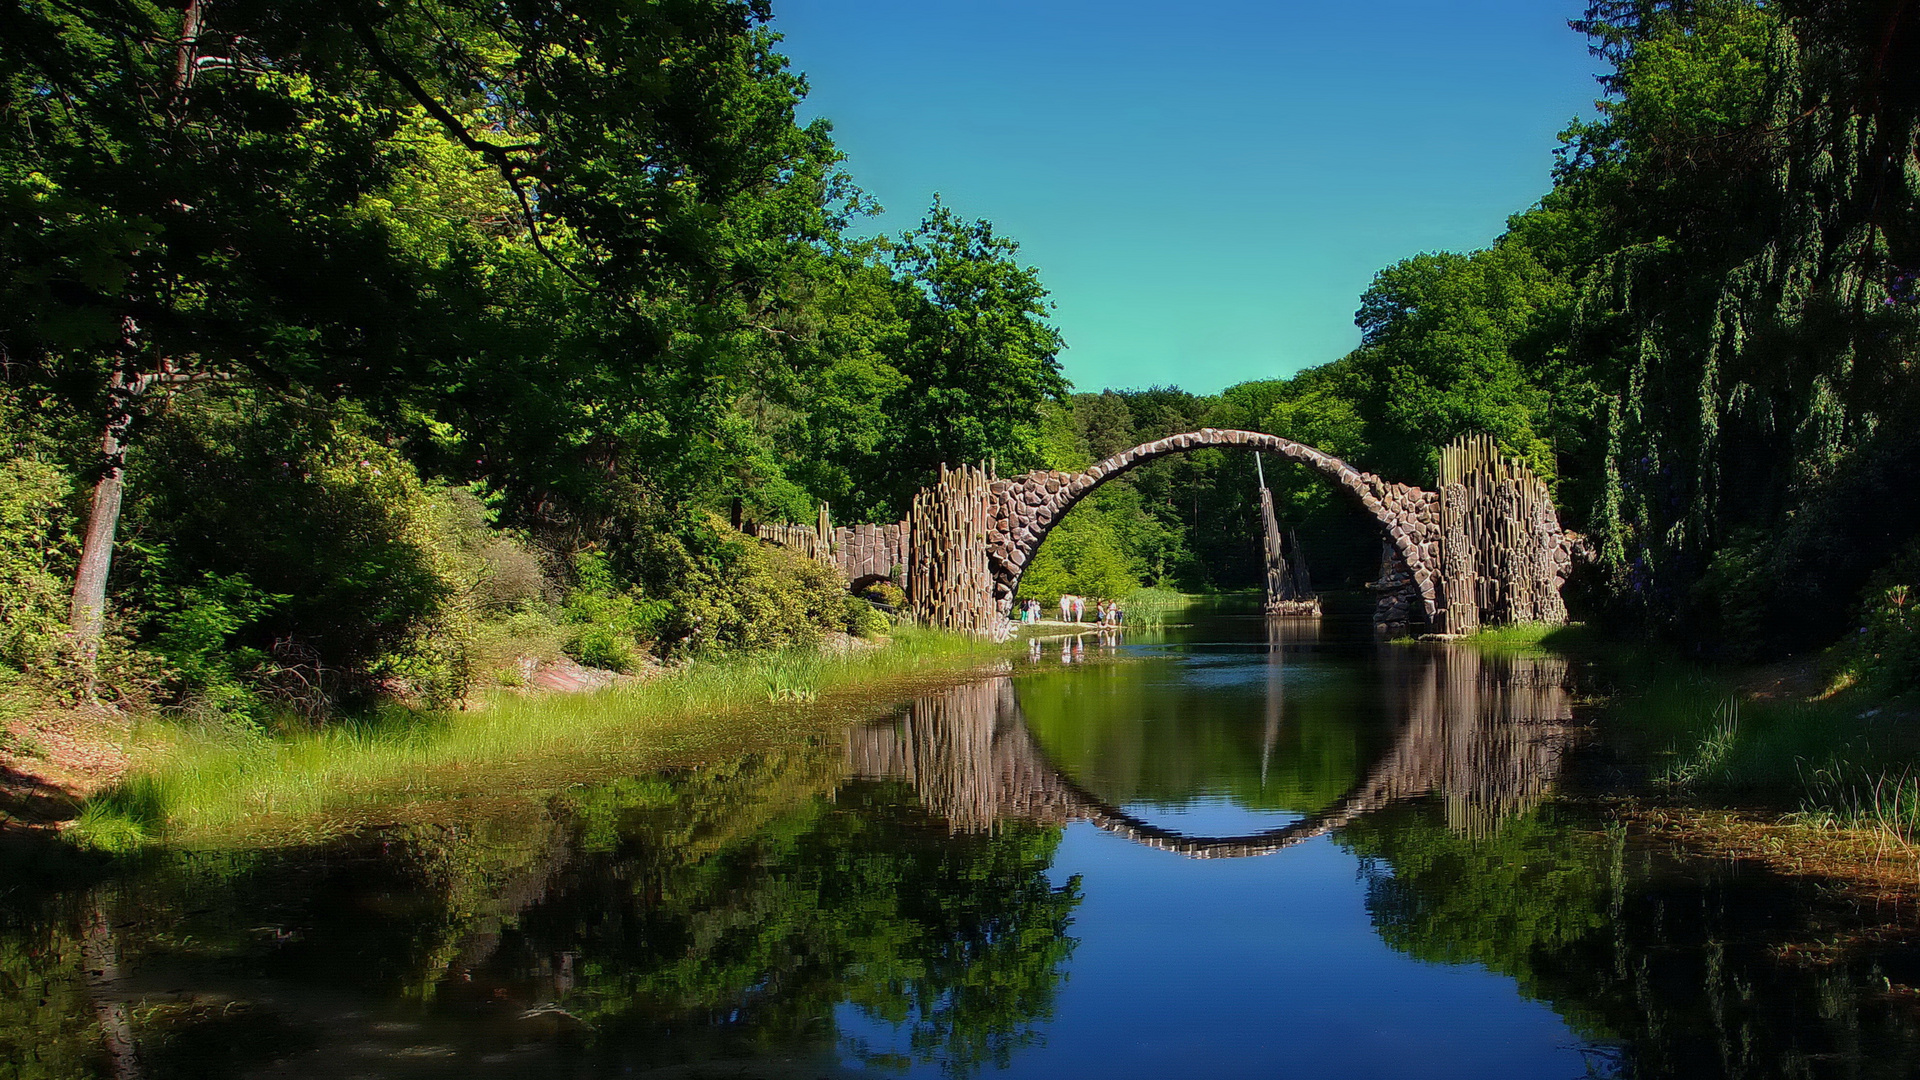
1885,649
735,594
886,592
285,550
865,620
194,639
493,593
609,624
37,553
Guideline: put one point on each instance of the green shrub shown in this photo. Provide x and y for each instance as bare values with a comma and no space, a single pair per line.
1884,651
37,552
735,594
302,504
886,592
367,576
865,620
196,632
608,623
491,610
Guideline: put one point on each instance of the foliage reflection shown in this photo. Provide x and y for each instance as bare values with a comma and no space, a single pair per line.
723,914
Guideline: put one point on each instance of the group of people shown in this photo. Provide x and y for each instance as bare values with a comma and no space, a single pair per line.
1074,609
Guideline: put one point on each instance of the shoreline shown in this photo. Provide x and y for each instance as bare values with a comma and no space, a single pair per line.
177,783
1771,763
185,784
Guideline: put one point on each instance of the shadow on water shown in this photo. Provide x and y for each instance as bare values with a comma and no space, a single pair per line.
912,901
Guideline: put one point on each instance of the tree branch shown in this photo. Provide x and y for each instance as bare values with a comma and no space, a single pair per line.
499,156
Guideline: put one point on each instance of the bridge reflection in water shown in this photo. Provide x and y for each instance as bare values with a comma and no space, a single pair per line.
1482,734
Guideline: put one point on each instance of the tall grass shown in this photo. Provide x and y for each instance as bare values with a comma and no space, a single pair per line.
1884,804
195,784
1150,606
1838,763
1531,638
1706,758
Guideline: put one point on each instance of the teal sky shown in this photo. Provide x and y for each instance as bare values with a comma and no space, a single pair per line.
1206,188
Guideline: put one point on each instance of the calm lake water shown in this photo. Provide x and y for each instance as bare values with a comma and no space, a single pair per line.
1238,848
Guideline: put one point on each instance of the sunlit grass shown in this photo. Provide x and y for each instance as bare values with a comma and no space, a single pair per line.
1703,737
1884,804
1150,606
1531,638
194,783
1840,763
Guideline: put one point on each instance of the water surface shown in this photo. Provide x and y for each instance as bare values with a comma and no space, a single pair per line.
1238,848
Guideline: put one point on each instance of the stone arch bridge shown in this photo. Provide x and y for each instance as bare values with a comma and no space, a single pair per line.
1486,547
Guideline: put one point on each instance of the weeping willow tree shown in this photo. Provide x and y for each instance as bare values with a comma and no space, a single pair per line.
1753,182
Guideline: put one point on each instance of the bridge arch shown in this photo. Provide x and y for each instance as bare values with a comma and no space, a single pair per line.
1383,784
1026,508
1485,733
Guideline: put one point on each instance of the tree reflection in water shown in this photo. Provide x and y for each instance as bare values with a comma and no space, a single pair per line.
1666,965
753,917
720,915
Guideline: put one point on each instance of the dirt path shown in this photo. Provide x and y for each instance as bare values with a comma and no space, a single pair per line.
54,759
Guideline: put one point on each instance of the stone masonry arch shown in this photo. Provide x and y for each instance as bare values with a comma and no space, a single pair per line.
1485,733
1024,509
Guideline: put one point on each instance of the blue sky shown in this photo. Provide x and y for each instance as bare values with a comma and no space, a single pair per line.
1207,187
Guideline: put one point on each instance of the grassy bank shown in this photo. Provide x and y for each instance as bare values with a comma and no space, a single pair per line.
204,785
1807,784
1846,758
1539,638
1773,764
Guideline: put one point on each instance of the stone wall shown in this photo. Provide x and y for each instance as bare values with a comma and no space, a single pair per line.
864,552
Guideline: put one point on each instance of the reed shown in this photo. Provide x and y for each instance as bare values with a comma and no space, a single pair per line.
196,784
1149,606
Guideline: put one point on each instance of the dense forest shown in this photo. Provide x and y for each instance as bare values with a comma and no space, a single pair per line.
357,347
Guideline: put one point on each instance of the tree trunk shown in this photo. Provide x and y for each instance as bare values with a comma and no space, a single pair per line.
101,951
88,615
186,57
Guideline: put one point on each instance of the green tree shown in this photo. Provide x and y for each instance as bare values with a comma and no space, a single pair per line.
927,348
179,193
1752,187
1446,340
